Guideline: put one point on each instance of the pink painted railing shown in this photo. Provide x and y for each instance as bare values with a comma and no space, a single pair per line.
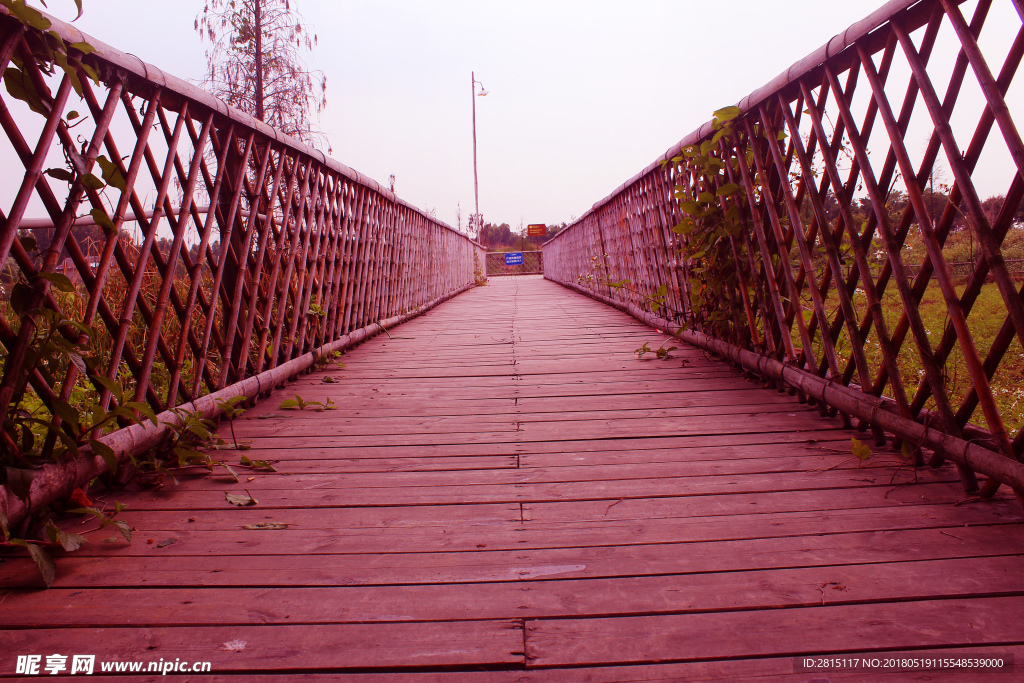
837,171
178,248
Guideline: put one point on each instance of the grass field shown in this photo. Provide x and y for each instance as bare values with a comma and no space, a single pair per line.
985,319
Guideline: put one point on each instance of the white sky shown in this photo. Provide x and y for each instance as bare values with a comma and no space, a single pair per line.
584,94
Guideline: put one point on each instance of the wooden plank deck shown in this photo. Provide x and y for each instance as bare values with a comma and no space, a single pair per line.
506,493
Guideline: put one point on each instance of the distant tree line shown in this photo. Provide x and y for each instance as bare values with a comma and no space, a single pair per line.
502,238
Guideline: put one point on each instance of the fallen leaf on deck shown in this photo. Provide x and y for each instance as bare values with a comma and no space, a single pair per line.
241,500
264,526
166,542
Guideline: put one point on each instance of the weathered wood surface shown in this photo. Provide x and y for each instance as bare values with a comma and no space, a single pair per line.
506,493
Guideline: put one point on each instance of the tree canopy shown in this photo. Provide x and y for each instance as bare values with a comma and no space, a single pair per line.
256,63
503,238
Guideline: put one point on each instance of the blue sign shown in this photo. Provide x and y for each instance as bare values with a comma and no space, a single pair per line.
514,258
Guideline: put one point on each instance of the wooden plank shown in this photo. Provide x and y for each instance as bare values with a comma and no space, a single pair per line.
944,495
821,629
282,447
521,564
474,534
527,470
689,476
762,669
298,422
671,594
289,648
276,492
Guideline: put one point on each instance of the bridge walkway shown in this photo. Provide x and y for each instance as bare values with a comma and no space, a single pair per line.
506,492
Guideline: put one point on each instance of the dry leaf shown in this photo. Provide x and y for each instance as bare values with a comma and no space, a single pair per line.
239,499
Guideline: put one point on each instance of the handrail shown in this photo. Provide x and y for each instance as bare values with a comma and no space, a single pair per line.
252,250
820,291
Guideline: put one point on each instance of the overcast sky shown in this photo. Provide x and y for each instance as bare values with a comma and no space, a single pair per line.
584,94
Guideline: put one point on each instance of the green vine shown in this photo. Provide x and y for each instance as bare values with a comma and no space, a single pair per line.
49,52
716,219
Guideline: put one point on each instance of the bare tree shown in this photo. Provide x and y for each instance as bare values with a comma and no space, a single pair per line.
255,62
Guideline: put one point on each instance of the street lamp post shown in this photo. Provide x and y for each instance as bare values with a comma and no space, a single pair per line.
476,182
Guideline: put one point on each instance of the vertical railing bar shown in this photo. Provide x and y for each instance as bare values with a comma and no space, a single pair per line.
294,222
377,274
874,304
309,277
347,199
818,301
831,248
324,264
375,281
33,175
331,280
892,246
285,203
958,319
389,297
773,332
196,271
354,267
989,87
132,296
305,223
975,214
263,212
155,326
766,251
364,261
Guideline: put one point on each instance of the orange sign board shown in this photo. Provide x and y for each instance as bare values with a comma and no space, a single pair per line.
536,230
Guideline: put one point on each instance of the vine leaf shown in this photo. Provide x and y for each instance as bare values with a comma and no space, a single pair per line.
111,173
100,216
60,174
21,87
19,481
257,464
60,281
860,450
70,542
92,182
43,561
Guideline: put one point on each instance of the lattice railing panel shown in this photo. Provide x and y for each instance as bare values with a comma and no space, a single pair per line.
173,247
860,171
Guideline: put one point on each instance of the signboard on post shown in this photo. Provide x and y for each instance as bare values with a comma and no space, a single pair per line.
514,258
536,230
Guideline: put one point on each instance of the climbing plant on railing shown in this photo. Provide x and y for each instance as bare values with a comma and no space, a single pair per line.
715,222
41,424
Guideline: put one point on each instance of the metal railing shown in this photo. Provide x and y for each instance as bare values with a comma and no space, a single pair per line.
532,263
819,298
188,251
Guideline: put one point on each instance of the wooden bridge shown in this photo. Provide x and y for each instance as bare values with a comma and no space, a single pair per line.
506,489
725,434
